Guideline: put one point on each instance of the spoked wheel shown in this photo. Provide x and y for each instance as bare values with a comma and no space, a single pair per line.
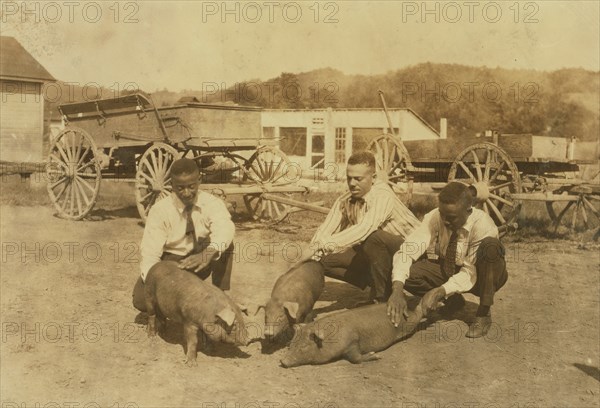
392,161
580,214
266,210
495,176
268,166
152,179
220,167
73,172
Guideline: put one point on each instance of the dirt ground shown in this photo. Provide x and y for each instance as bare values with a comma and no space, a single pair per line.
70,336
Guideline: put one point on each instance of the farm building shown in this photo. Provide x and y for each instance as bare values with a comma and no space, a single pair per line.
314,137
22,127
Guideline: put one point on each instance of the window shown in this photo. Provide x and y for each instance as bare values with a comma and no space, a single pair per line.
318,143
318,150
268,133
293,140
340,145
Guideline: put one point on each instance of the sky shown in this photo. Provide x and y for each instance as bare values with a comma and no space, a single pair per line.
193,44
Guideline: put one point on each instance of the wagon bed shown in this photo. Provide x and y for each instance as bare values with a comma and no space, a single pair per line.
505,170
130,139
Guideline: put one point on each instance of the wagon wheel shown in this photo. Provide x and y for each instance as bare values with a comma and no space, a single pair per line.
222,167
392,162
268,166
495,176
582,213
73,171
152,179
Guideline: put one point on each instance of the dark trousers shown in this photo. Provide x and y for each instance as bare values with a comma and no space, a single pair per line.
491,273
220,270
366,264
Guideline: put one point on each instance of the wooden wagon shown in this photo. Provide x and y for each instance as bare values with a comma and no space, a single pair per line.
505,169
129,139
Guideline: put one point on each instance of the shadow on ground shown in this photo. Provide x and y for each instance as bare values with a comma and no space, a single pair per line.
172,333
102,214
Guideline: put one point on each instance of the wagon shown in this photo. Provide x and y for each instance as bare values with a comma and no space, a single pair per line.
129,139
506,170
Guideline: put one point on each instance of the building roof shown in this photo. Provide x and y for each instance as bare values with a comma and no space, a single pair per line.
409,110
17,63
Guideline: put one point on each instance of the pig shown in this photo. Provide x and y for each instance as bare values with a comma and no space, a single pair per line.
352,334
181,296
293,298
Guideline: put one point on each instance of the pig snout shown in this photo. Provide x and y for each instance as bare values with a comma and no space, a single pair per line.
237,335
290,360
273,330
269,330
295,358
281,333
276,321
242,337
286,363
220,332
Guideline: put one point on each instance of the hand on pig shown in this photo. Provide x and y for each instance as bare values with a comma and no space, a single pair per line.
197,262
432,299
396,306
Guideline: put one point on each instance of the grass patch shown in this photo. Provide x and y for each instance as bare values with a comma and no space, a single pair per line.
23,192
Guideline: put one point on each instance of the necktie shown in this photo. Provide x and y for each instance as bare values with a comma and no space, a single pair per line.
449,265
355,206
189,227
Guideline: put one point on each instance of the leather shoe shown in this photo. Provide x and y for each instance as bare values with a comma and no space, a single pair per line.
453,304
479,327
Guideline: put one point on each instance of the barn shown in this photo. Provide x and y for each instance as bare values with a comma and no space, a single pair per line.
22,127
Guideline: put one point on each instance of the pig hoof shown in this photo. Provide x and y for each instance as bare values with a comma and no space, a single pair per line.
191,363
372,356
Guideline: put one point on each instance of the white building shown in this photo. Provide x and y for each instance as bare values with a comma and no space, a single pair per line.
315,137
23,137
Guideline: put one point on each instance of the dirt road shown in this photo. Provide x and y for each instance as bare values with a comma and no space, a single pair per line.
70,336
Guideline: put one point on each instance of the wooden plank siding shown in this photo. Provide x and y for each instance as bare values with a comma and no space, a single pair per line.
205,124
21,122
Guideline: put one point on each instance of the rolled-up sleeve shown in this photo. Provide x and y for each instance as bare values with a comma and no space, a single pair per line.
153,241
462,281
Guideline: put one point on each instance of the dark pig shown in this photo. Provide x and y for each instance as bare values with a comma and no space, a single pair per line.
293,297
181,296
353,334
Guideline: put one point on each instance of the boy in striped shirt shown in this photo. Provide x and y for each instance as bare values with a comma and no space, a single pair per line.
364,229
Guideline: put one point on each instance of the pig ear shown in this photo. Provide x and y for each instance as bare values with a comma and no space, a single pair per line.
258,309
318,340
227,315
292,309
243,309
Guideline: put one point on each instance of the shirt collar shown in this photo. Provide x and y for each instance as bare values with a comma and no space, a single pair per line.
377,185
179,206
470,220
468,224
